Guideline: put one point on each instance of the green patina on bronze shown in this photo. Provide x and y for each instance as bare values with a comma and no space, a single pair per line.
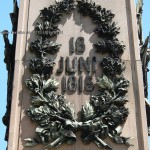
105,114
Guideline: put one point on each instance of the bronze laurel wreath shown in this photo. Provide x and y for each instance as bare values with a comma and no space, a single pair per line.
104,114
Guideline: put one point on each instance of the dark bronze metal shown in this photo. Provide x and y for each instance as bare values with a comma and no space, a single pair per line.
96,12
88,84
10,63
66,5
139,11
80,46
80,84
51,16
94,64
107,30
37,84
42,46
61,65
71,45
105,113
63,84
72,83
112,67
84,64
74,65
145,58
14,20
148,112
44,65
113,47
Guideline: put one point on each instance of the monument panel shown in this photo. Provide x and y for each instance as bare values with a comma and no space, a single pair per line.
76,65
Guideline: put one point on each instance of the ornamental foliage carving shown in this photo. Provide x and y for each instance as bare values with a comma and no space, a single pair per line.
105,113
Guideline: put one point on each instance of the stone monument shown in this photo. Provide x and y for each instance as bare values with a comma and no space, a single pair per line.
78,81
